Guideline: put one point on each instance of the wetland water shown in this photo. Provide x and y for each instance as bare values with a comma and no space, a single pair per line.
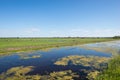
43,61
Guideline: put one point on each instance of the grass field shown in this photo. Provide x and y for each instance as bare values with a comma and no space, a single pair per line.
9,45
113,70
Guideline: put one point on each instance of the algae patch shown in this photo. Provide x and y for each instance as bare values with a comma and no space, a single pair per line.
21,73
90,61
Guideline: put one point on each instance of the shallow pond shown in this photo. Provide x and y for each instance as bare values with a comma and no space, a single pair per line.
43,61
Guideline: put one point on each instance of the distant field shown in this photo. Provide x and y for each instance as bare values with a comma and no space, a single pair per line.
9,45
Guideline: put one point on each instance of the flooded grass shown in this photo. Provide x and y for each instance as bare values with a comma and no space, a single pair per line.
112,72
20,73
92,75
66,63
92,61
16,73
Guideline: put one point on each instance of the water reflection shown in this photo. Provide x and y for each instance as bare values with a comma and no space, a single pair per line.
112,47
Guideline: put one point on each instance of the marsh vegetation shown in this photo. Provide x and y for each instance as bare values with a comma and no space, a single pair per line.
112,72
92,61
21,73
86,62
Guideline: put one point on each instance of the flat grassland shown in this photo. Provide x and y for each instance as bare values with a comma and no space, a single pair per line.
9,45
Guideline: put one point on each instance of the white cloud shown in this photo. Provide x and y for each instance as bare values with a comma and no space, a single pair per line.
95,32
84,33
37,32
31,30
24,32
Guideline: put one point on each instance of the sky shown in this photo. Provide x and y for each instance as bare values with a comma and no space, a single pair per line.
59,18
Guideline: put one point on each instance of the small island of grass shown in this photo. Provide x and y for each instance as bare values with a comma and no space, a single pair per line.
20,73
92,61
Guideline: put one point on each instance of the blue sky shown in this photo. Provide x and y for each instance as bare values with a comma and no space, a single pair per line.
59,18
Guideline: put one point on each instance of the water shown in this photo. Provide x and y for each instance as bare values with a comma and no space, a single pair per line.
112,47
45,63
112,44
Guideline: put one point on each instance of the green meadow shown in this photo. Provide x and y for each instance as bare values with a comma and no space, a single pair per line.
113,70
9,45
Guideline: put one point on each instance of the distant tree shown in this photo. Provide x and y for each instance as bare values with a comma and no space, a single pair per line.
17,37
116,37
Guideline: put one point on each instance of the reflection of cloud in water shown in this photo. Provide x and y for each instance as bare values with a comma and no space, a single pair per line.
28,55
111,47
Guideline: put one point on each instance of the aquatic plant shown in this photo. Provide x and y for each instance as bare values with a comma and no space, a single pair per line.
20,73
92,61
17,73
92,75
62,75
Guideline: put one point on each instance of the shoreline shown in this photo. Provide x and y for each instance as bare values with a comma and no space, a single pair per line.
31,48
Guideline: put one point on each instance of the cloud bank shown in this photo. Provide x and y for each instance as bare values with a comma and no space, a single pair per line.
37,32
